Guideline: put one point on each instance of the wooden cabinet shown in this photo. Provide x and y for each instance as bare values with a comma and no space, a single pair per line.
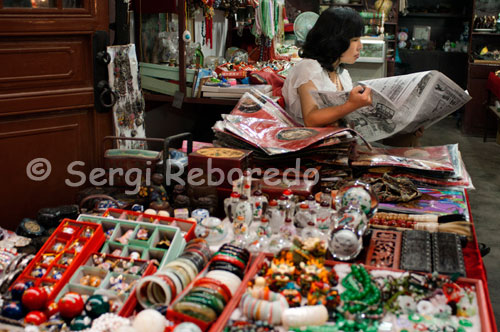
476,118
47,102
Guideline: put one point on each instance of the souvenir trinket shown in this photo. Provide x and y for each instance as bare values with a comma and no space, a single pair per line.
303,216
69,230
119,285
88,232
323,217
346,238
164,243
142,234
244,208
48,258
116,252
58,247
12,310
35,318
66,259
280,273
259,205
38,272
357,194
77,246
181,213
125,237
311,271
288,230
80,323
275,216
214,230
200,214
18,289
34,298
416,251
134,255
230,205
96,305
108,233
70,305
56,274
291,292
51,309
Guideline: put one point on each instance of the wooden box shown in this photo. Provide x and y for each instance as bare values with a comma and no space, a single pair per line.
163,78
226,159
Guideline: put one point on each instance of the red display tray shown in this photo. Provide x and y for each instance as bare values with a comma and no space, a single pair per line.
65,250
130,304
486,324
177,317
186,226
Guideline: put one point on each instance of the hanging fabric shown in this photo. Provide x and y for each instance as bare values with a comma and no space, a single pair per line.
128,111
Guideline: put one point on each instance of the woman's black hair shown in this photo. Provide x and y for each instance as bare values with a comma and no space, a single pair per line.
331,35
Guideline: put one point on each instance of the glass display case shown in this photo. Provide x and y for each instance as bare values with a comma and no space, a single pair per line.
372,62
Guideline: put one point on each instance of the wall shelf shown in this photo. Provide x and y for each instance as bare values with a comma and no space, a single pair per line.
435,15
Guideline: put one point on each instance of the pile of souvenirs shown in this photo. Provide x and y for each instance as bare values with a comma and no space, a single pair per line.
287,264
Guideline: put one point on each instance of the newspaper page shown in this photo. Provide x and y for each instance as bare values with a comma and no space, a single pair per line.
401,104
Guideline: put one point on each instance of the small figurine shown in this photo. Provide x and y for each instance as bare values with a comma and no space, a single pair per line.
291,292
125,237
310,272
280,273
142,234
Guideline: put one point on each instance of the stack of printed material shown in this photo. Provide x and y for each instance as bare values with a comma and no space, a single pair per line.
259,124
432,166
233,91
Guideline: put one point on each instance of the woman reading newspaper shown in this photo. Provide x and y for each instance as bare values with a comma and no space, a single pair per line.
334,40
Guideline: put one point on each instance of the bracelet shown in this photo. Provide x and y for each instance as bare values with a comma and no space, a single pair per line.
195,258
180,273
267,306
230,254
209,290
205,299
227,278
189,270
196,310
221,287
229,259
224,266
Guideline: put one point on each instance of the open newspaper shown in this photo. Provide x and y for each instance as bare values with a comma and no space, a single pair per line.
401,104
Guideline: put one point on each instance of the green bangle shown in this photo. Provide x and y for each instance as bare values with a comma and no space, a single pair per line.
196,310
205,299
210,291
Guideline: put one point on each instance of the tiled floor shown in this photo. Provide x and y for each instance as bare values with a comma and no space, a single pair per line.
482,161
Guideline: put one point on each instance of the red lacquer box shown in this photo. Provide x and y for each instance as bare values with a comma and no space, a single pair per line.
67,248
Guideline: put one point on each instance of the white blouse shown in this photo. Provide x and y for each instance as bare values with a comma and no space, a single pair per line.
304,71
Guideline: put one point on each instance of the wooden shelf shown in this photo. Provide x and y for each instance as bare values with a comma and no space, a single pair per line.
478,33
434,15
209,101
341,4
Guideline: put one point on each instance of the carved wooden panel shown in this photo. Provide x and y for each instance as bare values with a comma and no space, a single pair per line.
53,71
59,139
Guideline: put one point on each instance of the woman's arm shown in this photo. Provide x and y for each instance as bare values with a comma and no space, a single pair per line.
316,117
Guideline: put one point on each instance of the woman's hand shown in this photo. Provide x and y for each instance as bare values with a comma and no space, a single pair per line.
359,98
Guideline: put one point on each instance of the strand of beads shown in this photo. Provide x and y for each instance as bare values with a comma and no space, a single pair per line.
361,300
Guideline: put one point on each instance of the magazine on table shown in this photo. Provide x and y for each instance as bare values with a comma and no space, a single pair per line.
401,104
